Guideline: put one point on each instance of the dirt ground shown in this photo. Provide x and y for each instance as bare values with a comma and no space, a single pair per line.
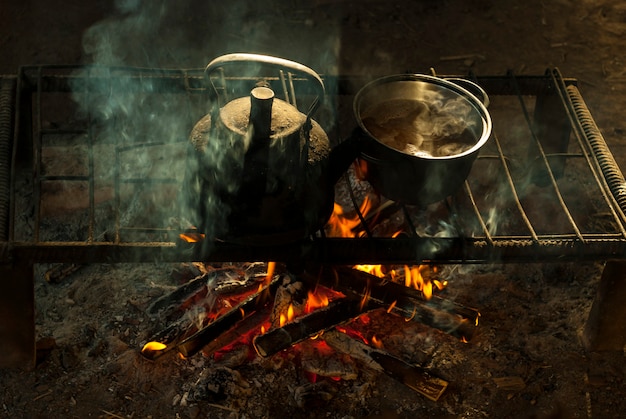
526,361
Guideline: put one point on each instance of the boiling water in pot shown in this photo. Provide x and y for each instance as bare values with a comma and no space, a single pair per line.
420,128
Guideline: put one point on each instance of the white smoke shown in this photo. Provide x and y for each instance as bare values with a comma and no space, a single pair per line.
143,133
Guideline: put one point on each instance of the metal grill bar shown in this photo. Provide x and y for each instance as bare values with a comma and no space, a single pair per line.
476,211
545,161
481,246
600,160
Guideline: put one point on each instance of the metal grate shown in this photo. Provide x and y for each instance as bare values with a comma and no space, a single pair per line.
545,188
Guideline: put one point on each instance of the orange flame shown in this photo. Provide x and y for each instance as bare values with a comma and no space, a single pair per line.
315,300
271,266
153,346
191,237
377,343
413,278
285,318
341,225
376,270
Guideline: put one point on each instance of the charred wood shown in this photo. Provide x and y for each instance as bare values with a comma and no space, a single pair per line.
222,281
168,338
335,313
250,322
291,294
410,375
447,316
194,343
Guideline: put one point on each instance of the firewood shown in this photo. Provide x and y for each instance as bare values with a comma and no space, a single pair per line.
291,293
335,313
168,338
192,317
253,320
221,281
447,316
173,301
410,375
194,343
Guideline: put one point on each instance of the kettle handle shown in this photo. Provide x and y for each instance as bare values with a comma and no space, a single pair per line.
243,58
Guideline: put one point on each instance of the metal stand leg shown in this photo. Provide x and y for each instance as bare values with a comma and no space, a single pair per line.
606,326
17,316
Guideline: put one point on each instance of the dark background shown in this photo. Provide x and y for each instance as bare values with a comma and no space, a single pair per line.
585,39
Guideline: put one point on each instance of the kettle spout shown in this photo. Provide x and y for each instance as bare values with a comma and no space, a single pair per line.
257,155
261,100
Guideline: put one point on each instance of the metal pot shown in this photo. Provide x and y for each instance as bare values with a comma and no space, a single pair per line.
421,135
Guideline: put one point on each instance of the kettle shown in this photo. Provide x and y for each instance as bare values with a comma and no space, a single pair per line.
261,172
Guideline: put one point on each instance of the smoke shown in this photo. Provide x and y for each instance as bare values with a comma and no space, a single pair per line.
427,125
141,129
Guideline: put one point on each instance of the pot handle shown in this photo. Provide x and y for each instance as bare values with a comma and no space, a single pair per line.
279,63
472,88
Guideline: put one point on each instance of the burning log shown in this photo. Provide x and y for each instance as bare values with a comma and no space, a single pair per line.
230,320
325,318
167,339
410,375
253,321
175,300
288,301
182,310
447,316
222,281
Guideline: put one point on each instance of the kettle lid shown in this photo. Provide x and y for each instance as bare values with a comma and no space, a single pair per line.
286,119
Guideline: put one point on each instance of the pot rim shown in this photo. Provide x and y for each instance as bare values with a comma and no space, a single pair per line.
438,81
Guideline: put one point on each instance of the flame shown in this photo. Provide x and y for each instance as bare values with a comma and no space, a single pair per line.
341,225
286,317
366,297
377,343
360,169
376,270
153,346
271,266
315,300
413,278
191,237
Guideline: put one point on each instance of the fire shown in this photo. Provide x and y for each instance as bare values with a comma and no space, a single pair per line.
315,300
153,347
342,225
413,277
286,317
271,266
192,237
376,270
377,343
